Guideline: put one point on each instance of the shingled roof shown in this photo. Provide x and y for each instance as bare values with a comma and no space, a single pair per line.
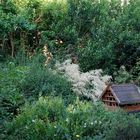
126,93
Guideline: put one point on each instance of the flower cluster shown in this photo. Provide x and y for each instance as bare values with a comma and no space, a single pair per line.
47,54
90,84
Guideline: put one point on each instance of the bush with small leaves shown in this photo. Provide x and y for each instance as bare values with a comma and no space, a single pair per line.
41,81
48,118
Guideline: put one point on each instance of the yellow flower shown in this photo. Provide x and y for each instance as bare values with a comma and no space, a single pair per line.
77,136
61,42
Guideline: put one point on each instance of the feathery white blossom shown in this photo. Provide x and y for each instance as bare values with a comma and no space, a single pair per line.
91,84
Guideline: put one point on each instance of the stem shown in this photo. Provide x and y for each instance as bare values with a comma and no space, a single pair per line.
11,44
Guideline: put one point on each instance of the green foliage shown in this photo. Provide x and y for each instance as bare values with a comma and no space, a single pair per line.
38,121
123,76
136,72
48,118
94,57
128,129
107,31
115,40
102,34
11,99
42,81
19,83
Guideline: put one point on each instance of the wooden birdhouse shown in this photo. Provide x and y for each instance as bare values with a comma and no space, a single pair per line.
125,96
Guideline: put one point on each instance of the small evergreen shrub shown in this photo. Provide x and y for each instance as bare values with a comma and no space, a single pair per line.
41,81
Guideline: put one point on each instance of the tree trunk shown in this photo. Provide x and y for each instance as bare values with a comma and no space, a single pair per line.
22,39
3,43
11,44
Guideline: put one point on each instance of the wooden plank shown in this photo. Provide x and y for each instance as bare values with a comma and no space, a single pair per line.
110,97
109,101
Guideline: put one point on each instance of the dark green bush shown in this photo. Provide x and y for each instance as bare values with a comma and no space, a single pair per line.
135,72
133,76
11,99
95,56
41,81
115,40
125,128
123,76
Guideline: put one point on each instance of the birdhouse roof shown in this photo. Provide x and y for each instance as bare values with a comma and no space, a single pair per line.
125,93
